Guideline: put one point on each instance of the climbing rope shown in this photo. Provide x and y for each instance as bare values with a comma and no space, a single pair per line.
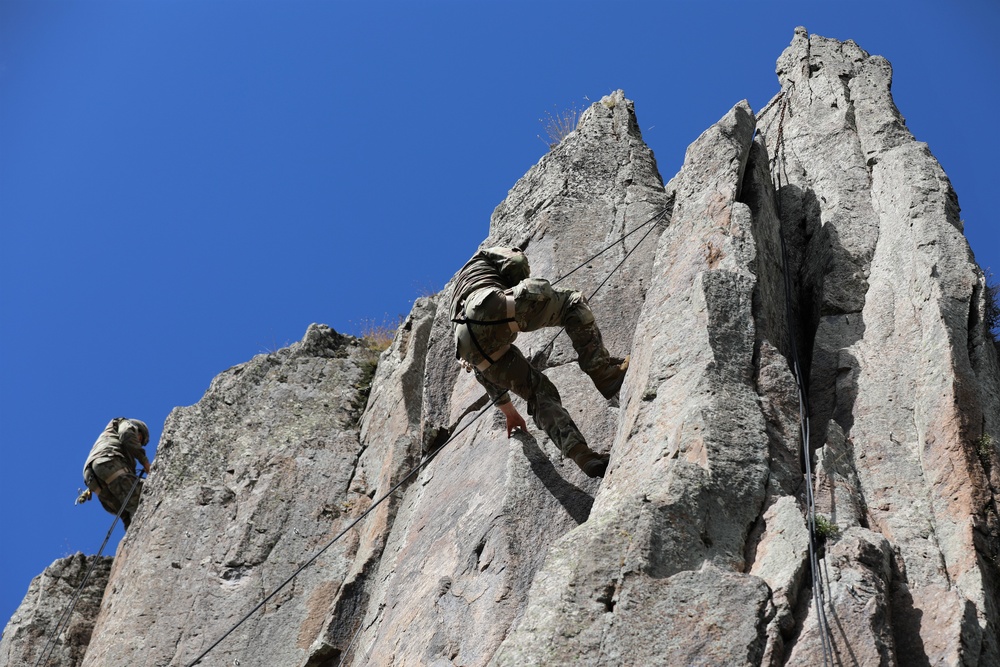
627,255
347,651
617,266
427,459
64,619
819,600
777,98
651,220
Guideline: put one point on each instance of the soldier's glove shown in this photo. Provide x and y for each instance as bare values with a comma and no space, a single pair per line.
84,497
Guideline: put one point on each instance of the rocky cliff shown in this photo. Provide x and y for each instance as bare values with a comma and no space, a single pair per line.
804,276
54,623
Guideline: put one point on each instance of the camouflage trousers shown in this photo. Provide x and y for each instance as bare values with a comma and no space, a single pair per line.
113,493
536,304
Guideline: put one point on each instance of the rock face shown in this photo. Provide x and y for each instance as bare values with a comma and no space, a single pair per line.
814,244
255,477
903,377
32,630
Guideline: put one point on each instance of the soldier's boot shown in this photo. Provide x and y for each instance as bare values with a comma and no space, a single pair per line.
591,463
609,379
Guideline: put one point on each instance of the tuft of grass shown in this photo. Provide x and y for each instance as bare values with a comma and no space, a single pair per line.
273,347
377,336
984,445
826,529
559,124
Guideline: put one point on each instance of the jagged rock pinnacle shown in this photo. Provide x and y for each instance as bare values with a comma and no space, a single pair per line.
815,242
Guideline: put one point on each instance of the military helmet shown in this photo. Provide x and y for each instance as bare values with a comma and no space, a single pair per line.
143,430
514,267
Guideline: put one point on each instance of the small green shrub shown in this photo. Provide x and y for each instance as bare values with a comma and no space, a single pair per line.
826,529
984,445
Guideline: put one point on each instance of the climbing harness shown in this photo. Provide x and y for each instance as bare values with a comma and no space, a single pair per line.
95,485
427,459
464,328
819,599
64,619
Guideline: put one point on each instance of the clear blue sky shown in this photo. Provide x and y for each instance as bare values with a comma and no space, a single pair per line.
186,184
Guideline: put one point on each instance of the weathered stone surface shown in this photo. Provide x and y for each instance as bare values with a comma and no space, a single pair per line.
689,467
470,536
597,186
817,244
32,630
902,377
857,575
248,483
390,438
781,559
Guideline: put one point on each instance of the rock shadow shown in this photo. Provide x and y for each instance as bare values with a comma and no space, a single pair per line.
574,500
906,621
830,293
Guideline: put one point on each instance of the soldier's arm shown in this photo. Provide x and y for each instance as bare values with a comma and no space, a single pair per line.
514,418
501,398
498,395
131,441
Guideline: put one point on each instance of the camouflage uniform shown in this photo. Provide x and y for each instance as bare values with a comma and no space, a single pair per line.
494,298
110,468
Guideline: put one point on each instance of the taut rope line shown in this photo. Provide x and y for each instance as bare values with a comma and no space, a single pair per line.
432,455
50,643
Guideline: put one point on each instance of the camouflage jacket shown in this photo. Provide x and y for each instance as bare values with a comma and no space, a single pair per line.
119,440
493,267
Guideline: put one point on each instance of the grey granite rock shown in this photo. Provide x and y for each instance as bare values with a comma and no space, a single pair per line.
63,588
469,538
814,244
248,483
903,376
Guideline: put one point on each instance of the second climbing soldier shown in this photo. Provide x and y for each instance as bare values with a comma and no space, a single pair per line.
109,472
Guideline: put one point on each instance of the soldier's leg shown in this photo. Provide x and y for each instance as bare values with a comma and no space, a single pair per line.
537,304
108,503
99,490
113,493
120,489
105,469
513,372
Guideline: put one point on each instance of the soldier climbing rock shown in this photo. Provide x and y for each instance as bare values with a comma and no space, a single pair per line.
494,299
109,472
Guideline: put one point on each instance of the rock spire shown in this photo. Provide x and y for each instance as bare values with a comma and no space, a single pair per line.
814,244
